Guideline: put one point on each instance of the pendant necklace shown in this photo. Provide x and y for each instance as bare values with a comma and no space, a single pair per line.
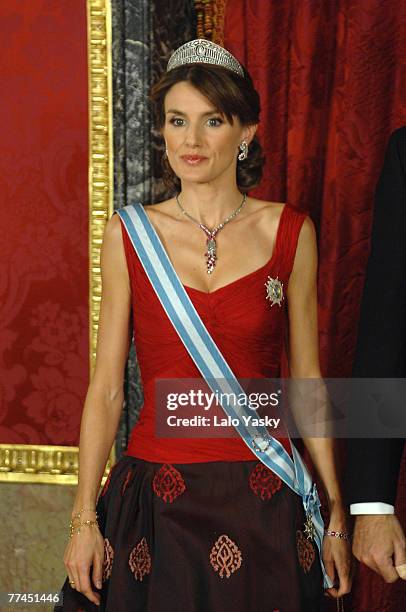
211,253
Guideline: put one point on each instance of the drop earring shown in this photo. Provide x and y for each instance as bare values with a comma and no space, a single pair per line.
244,150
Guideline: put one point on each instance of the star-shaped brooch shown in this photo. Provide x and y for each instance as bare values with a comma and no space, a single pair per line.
274,291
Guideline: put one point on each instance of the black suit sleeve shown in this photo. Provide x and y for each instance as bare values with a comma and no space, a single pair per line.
373,464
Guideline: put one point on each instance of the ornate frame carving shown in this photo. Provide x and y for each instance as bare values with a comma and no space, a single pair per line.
59,464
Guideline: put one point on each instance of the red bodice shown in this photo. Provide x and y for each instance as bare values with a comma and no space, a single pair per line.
249,332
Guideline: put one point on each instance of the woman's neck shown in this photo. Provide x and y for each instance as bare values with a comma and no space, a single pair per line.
209,205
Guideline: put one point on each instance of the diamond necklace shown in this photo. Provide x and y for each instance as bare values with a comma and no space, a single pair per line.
211,253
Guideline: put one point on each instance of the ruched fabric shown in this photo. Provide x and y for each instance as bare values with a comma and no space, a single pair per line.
249,332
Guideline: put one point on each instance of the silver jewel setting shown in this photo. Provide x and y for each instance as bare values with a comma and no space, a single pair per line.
309,529
274,291
244,151
211,252
204,51
261,443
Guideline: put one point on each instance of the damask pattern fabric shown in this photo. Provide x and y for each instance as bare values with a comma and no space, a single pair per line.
201,537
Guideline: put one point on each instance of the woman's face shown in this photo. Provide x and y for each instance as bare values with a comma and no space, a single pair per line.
193,127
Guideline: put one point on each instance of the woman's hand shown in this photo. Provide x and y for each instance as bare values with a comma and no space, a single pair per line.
337,557
83,550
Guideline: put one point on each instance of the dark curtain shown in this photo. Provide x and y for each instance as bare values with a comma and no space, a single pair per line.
132,138
331,78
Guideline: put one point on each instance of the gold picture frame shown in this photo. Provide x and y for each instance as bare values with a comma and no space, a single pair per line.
59,464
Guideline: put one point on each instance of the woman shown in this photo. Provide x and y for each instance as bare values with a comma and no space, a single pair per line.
199,524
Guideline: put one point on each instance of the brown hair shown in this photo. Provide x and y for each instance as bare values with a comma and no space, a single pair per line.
231,94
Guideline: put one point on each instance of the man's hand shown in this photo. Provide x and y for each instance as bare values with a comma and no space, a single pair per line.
379,542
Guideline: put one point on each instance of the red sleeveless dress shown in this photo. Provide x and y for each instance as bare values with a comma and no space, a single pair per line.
249,332
202,524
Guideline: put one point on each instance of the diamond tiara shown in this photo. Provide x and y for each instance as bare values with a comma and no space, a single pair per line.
206,51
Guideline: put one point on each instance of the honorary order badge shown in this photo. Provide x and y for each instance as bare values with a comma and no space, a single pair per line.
274,291
309,529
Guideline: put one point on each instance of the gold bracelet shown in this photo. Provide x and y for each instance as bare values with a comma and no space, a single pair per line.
76,528
79,514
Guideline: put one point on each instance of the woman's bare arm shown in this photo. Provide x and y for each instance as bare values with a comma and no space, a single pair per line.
304,363
304,349
104,399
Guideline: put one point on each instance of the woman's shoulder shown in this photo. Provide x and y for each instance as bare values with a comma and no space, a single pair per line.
274,211
160,212
265,205
289,222
113,226
159,207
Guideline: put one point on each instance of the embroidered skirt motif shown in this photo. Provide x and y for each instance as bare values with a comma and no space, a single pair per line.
201,537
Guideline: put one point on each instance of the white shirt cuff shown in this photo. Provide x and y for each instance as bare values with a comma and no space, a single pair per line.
372,508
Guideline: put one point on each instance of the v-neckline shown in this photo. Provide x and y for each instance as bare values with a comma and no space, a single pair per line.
240,278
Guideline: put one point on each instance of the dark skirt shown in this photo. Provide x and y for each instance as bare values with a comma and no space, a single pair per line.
201,537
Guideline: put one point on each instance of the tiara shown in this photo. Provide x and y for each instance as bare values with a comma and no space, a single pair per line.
206,51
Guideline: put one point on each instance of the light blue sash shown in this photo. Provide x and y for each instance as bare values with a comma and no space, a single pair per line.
215,369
